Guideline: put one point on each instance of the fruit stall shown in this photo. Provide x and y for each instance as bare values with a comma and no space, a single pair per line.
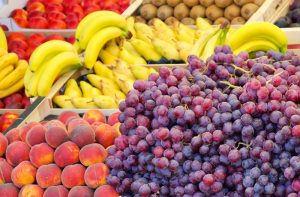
149,98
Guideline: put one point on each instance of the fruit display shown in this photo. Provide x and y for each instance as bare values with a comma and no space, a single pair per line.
16,100
104,89
292,17
24,45
49,61
59,157
187,11
62,14
6,120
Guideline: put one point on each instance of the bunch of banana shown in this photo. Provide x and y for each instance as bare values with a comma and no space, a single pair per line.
97,29
49,61
12,71
105,89
3,42
258,36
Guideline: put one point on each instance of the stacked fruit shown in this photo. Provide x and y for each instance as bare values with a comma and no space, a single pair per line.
292,19
186,11
49,61
104,89
62,157
6,120
24,45
62,14
15,101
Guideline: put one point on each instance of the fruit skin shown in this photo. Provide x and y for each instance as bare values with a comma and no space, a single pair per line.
7,119
92,116
17,152
48,175
105,102
31,190
81,191
5,170
83,103
66,116
3,144
92,154
82,135
9,59
106,190
73,175
72,89
3,41
149,54
58,191
9,188
165,49
105,135
88,90
63,101
41,154
256,45
66,154
23,174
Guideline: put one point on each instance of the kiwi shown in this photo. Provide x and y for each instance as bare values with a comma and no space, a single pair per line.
148,11
232,11
223,3
173,3
158,3
140,19
164,12
188,21
171,20
146,1
258,2
213,12
150,22
206,3
181,11
221,20
238,21
197,11
190,3
242,2
248,10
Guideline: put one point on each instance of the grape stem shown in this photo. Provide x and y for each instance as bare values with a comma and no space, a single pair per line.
274,76
238,68
248,146
269,66
229,84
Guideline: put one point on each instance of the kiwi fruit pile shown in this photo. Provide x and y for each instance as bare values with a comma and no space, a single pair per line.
187,11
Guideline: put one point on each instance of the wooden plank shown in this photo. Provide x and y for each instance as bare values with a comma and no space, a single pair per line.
132,8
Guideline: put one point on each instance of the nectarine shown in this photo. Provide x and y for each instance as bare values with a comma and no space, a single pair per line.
94,115
73,175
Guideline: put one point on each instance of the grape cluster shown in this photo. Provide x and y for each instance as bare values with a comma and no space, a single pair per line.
229,126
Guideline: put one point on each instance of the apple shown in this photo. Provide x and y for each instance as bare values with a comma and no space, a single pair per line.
56,15
19,13
88,3
38,23
23,23
16,36
37,6
14,98
57,24
73,8
55,37
91,9
54,7
21,53
36,39
17,44
76,14
35,13
72,23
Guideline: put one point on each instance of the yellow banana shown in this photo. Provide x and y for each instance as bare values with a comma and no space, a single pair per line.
130,25
3,41
88,90
144,37
72,89
143,28
106,57
97,42
103,71
127,45
203,24
77,46
53,68
140,72
83,103
256,45
27,78
3,52
113,48
102,83
152,70
63,101
15,75
149,53
5,71
163,28
105,102
165,49
124,82
122,68
210,46
12,89
131,59
9,59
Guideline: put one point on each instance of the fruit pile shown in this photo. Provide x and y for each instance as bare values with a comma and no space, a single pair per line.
62,157
293,17
187,11
7,119
105,89
229,126
24,45
15,101
62,14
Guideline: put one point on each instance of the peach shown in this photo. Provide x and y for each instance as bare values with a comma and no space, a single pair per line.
105,135
31,190
17,44
37,6
56,135
106,190
41,154
91,9
73,175
57,191
94,115
13,135
17,152
66,154
23,23
66,115
57,24
38,22
72,23
56,15
113,118
16,36
48,175
36,135
74,122
36,39
23,174
3,144
92,154
24,130
55,37
36,13
95,175
9,190
117,128
96,124
57,7
81,191
5,172
21,55
71,39
82,135
54,123
21,13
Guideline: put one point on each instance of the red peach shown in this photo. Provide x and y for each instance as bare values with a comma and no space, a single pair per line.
74,122
5,172
3,144
23,174
71,39
92,154
106,190
72,8
36,39
31,190
82,135
16,36
55,123
81,191
17,44
48,175
76,14
19,13
9,190
56,15
29,51
38,23
105,135
91,9
21,22
57,191
50,7
96,124
37,6
17,152
57,24
73,175
36,135
113,118
55,37
117,128
56,135
36,13
24,130
13,135
66,115
95,175
72,23
41,154
66,154
21,55
94,115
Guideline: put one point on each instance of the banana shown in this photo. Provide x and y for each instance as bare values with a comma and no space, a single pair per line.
77,46
106,57
122,68
131,59
12,89
83,103
113,48
88,90
117,95
3,52
144,37
112,20
143,28
259,30
27,78
127,45
182,35
53,68
210,46
3,41
103,71
5,71
9,59
152,70
105,102
130,25
63,101
184,54
102,83
165,49
203,24
47,50
72,89
163,28
125,83
256,45
97,42
145,49
140,72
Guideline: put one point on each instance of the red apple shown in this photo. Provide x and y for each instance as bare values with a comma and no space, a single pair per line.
57,24
91,9
71,39
73,8
76,14
36,39
56,15
16,36
14,98
50,7
19,13
87,3
38,23
23,23
37,6
17,44
35,13
55,37
72,23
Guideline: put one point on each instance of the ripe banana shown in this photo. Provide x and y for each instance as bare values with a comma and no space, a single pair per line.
53,68
63,101
112,20
131,59
112,48
143,28
97,42
145,49
203,24
127,45
210,46
9,59
152,70
27,78
47,50
105,102
122,68
256,45
163,28
102,83
5,71
124,82
3,52
72,89
102,70
140,72
106,57
12,89
259,30
144,37
165,49
88,90
3,41
130,25
15,75
83,103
